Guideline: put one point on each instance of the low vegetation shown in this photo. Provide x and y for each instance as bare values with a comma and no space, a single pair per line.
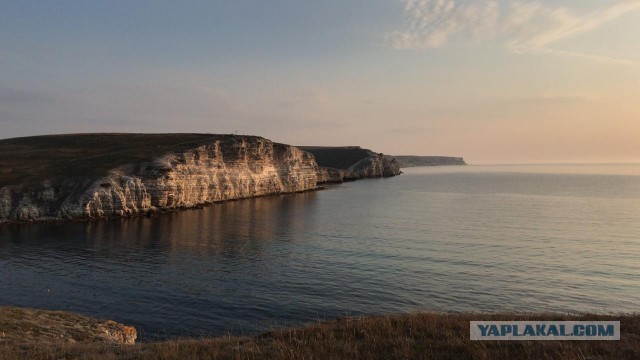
32,159
338,157
411,336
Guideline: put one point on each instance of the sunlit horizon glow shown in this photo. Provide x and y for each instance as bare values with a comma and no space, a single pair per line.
493,81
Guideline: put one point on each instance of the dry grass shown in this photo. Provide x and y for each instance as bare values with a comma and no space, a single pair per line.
412,336
34,159
337,157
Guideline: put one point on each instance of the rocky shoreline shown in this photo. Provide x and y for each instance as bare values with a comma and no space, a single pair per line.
27,327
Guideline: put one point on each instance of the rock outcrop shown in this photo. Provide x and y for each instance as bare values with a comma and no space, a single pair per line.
29,326
351,163
375,165
333,175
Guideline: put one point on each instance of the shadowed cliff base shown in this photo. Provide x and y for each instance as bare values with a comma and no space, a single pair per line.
86,176
409,336
406,161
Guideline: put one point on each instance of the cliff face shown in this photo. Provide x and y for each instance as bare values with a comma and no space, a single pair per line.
351,163
84,176
413,161
221,169
376,165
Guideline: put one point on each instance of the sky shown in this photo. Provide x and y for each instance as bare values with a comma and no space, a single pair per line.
493,81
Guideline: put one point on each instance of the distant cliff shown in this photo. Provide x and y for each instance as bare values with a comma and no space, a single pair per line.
83,176
412,161
351,162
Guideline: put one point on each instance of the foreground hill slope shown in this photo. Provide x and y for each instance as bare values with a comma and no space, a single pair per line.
408,336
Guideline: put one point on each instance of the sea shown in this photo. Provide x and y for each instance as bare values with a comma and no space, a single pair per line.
515,238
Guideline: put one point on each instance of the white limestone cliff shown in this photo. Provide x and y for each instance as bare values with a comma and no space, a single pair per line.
225,169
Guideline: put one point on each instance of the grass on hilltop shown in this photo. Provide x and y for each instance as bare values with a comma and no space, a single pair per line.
33,159
338,157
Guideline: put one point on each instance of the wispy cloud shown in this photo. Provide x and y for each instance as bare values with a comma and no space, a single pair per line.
522,26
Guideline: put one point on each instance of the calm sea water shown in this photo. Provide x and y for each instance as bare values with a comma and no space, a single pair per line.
476,238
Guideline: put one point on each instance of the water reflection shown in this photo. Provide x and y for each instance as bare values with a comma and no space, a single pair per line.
195,258
429,240
236,228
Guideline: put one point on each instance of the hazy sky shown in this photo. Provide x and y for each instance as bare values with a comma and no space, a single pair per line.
493,81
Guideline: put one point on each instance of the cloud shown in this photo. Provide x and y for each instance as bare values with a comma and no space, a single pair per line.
591,57
523,26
